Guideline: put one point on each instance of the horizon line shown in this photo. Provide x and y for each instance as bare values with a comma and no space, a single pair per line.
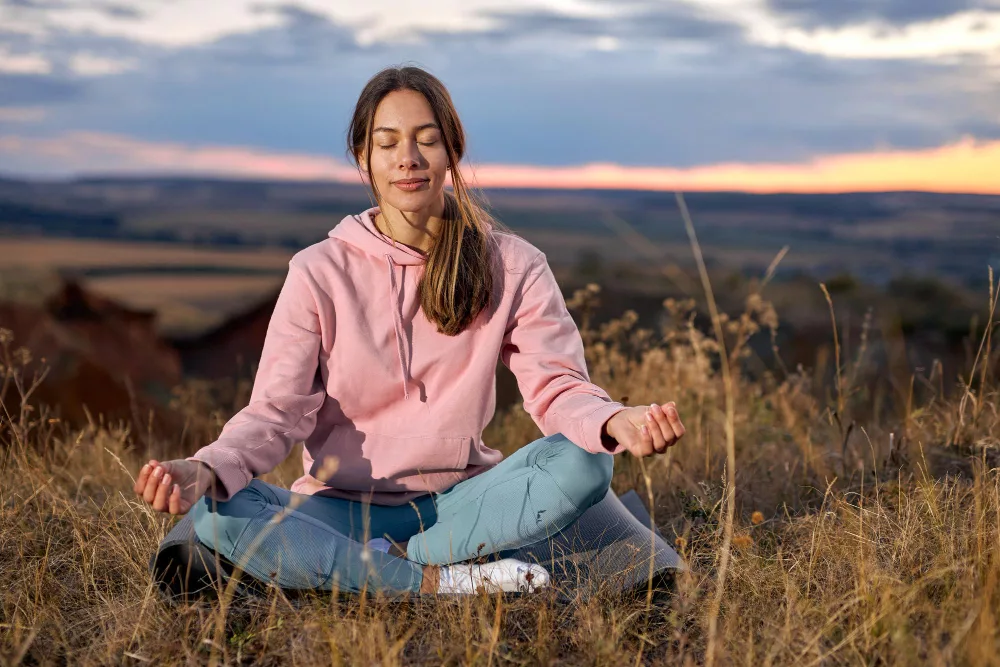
966,166
249,178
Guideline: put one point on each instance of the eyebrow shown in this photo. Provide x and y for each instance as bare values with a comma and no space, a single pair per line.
394,130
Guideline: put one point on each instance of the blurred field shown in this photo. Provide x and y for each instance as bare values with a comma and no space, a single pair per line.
864,530
69,254
191,289
873,236
187,304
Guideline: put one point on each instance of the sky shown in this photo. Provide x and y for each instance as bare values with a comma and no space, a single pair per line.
753,95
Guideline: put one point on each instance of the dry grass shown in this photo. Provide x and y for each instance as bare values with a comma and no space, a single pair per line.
849,545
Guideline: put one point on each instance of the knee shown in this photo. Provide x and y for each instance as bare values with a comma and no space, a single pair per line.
584,477
218,525
203,516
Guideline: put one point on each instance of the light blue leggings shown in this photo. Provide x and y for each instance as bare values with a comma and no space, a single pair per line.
315,542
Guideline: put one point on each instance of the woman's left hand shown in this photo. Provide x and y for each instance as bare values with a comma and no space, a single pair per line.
645,430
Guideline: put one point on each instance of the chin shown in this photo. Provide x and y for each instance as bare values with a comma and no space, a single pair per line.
412,202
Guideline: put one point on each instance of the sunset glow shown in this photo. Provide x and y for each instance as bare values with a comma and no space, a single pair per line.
968,166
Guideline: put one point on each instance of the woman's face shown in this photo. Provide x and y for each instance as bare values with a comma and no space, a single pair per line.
409,163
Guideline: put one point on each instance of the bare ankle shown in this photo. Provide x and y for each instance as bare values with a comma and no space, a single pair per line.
431,579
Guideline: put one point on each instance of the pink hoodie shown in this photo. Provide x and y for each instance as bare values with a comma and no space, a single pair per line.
352,367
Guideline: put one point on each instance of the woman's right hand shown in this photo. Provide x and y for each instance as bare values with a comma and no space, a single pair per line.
173,486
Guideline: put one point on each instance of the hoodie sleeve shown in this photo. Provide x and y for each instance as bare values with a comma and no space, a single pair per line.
543,348
287,393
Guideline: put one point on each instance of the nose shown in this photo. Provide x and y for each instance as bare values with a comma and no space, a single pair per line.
409,156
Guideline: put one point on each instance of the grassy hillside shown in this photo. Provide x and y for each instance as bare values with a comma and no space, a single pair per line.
857,534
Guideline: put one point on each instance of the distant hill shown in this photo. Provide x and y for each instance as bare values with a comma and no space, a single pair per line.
38,219
875,236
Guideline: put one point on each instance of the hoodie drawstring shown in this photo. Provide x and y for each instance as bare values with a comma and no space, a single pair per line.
397,317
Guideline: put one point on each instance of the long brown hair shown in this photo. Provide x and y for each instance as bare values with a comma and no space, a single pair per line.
459,275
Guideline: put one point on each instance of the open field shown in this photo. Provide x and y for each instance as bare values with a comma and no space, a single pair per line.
191,288
874,236
77,254
857,535
187,304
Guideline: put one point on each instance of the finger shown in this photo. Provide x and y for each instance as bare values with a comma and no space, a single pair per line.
162,493
142,478
656,428
666,428
674,417
644,442
153,484
174,502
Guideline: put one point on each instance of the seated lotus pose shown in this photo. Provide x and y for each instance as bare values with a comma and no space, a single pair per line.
381,356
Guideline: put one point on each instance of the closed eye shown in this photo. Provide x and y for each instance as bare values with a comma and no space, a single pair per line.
422,143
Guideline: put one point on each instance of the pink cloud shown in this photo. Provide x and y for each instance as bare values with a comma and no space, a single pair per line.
96,152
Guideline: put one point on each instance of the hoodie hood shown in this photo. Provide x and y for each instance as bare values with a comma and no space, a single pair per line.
361,232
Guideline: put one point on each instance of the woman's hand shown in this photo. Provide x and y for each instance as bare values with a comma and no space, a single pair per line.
646,429
173,486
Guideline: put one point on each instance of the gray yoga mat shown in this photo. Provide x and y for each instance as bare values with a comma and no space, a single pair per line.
611,547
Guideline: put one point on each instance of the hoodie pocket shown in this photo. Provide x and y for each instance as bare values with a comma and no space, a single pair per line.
383,462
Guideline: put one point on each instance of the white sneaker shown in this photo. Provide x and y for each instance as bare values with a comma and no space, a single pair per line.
509,575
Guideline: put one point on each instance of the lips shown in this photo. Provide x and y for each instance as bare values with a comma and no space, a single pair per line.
411,184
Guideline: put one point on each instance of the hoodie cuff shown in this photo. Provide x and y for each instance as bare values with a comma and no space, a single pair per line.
230,477
593,424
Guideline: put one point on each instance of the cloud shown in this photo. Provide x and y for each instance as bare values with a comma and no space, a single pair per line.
39,5
149,22
113,10
846,12
974,32
21,114
675,84
121,11
648,102
23,63
88,64
97,153
65,55
30,89
965,166
291,12
675,21
301,36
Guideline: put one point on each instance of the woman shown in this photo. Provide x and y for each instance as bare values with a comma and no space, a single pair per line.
381,356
